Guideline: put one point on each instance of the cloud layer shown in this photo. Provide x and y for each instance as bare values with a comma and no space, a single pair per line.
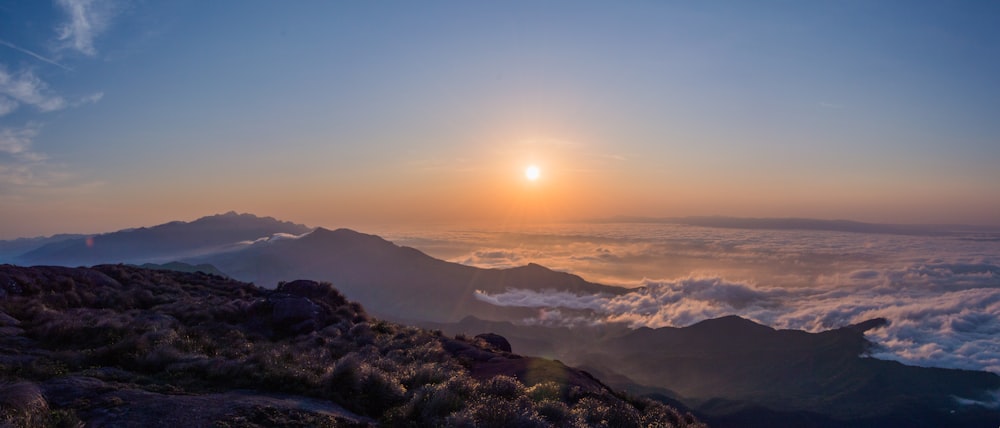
942,315
940,293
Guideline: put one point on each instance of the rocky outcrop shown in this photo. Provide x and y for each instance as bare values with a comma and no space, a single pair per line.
495,341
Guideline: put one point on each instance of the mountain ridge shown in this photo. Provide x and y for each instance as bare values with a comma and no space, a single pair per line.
417,286
165,242
734,372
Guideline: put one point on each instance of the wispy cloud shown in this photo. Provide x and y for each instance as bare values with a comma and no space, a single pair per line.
87,19
20,166
26,88
26,173
7,106
17,141
89,99
23,170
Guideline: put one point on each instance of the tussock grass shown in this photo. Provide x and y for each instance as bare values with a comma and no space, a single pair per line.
193,332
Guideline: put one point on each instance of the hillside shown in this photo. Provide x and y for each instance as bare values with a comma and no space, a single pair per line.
124,346
162,243
393,281
10,249
734,372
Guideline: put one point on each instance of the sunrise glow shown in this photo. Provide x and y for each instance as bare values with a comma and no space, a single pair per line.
532,173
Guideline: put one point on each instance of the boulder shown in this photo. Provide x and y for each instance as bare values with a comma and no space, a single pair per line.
292,310
495,341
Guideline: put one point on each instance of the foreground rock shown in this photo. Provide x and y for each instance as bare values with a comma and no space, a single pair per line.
117,345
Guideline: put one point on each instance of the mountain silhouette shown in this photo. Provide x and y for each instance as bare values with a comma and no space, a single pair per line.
163,243
393,281
735,372
9,250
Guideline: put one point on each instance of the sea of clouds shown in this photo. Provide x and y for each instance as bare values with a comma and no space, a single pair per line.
940,293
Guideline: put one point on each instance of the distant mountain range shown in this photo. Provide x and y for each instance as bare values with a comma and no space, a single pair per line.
394,282
163,243
211,235
735,372
397,282
792,223
9,250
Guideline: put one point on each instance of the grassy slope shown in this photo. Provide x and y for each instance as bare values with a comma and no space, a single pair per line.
114,345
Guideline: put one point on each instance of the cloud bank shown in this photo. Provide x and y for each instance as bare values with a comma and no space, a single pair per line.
942,315
940,293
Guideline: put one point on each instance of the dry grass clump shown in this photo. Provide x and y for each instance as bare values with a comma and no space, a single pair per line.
192,332
22,404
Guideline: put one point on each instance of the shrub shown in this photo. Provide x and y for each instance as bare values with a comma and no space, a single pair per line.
501,386
433,403
425,374
362,334
497,412
379,391
383,327
23,405
184,333
612,413
545,391
345,377
556,412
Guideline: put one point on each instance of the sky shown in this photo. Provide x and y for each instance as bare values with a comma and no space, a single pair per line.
117,113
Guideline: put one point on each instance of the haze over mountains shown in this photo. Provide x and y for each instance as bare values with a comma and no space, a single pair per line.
163,243
810,224
729,369
396,282
740,373
393,281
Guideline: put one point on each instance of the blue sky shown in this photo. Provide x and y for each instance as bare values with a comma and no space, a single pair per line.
119,113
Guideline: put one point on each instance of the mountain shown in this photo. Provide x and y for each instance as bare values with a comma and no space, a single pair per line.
731,370
399,283
9,250
395,282
735,372
792,223
163,243
117,345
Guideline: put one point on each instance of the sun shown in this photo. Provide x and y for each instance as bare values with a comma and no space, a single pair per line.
532,173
